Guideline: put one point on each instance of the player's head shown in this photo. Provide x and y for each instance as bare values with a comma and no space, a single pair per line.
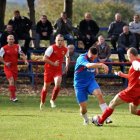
59,40
92,53
132,53
10,39
17,13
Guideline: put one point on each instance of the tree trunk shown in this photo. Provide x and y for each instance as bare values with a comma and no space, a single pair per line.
31,6
2,13
68,7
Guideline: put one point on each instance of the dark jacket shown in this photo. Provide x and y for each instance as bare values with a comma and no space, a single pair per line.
115,28
4,35
21,25
89,27
104,52
44,27
63,28
124,43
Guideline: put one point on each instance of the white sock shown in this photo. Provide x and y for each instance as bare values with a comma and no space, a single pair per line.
85,116
103,106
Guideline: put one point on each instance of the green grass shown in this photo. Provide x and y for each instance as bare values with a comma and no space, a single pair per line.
24,121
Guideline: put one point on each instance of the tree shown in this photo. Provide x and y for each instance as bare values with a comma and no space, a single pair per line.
31,6
2,13
68,7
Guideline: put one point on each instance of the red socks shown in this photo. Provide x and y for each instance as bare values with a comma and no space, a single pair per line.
43,96
55,93
12,90
105,115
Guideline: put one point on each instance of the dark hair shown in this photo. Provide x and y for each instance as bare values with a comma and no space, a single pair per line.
133,51
93,50
16,11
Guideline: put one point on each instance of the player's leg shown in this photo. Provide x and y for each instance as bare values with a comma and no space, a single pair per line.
12,89
44,93
133,107
56,89
102,103
82,97
109,110
83,112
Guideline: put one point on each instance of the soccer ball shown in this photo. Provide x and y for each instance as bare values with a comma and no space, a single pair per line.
95,120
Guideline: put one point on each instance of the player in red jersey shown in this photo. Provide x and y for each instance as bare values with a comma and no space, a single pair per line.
9,56
53,59
129,95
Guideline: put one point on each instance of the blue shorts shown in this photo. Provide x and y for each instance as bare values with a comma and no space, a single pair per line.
83,92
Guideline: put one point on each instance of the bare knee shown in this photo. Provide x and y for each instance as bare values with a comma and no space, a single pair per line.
132,109
83,108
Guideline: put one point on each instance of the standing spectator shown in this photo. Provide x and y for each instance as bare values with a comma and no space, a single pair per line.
64,26
88,29
115,29
134,27
129,95
53,59
73,57
125,41
22,26
104,52
85,83
44,30
8,31
9,56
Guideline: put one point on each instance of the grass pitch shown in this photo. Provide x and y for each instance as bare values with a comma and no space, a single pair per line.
24,121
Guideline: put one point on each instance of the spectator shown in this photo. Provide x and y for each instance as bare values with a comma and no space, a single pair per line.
8,31
22,26
104,52
125,41
64,26
73,57
88,29
115,29
134,27
9,56
44,30
53,58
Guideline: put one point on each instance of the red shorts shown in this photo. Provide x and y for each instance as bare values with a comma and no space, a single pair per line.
49,76
131,95
11,72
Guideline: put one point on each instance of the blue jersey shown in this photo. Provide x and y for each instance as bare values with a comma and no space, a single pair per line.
82,75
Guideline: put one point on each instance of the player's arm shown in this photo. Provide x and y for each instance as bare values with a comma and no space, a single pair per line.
67,61
121,74
23,56
2,52
46,56
97,65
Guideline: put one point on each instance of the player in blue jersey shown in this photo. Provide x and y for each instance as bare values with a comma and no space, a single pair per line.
85,83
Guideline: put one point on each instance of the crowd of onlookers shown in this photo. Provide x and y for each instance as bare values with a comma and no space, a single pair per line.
121,35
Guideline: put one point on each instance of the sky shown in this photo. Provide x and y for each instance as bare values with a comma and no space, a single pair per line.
18,1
